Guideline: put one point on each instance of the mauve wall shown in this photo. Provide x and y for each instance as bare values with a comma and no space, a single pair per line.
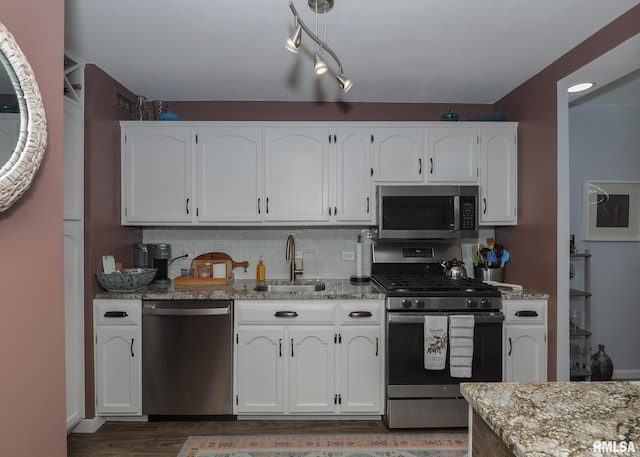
534,105
32,383
103,233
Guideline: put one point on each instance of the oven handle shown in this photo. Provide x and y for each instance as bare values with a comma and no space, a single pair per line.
492,318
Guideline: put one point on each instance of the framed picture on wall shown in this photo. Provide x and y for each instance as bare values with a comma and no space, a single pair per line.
612,210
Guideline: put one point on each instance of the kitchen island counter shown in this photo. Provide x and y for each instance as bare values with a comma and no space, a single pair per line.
243,290
556,419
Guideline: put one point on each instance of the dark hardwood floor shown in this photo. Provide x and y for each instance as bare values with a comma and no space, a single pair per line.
164,439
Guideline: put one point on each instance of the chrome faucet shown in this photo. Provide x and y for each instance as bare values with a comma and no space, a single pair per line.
290,255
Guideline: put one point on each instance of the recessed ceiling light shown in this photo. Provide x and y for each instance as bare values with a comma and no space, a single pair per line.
580,87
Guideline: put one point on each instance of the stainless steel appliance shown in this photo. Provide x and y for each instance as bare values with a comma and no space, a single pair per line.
187,363
160,256
427,212
415,284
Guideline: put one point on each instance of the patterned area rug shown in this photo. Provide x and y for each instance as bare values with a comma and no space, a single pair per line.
348,445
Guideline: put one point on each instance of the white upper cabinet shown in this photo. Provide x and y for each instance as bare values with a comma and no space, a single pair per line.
296,180
398,155
453,155
229,174
157,174
499,176
352,194
307,173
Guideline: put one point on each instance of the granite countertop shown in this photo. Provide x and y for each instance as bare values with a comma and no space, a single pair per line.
559,419
242,289
525,294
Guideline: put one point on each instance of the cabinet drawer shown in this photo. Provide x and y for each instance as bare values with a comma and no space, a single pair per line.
525,311
360,312
116,312
285,312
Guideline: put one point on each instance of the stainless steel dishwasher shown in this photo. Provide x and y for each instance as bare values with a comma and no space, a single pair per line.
187,361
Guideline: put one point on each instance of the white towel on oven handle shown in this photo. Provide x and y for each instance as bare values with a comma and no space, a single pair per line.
461,328
435,342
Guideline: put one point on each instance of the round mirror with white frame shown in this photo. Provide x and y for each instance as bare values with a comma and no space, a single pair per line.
18,167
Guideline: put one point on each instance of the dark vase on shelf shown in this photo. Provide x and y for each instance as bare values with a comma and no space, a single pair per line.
601,365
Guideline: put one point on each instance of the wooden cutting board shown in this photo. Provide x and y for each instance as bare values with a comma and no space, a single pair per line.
213,258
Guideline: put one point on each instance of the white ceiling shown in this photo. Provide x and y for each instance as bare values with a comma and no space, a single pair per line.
394,51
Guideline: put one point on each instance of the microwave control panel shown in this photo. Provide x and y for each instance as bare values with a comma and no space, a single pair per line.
467,213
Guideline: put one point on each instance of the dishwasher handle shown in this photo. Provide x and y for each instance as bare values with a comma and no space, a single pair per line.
187,311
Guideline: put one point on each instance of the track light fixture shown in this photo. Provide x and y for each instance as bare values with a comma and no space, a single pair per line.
294,41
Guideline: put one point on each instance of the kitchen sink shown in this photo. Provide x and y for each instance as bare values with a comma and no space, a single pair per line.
297,286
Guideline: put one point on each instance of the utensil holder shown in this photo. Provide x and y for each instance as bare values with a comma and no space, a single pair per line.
489,274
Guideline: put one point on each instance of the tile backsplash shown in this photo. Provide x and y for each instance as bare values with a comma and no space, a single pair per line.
322,249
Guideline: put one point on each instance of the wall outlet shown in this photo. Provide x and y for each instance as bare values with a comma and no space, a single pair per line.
349,255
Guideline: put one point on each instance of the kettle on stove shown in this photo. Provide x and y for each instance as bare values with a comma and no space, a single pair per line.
454,269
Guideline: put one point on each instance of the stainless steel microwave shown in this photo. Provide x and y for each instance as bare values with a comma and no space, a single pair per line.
427,212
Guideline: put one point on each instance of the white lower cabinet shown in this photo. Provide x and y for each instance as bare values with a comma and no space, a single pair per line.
302,358
118,361
525,341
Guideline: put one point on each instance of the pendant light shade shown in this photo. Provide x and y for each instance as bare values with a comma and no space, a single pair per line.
319,65
293,41
344,83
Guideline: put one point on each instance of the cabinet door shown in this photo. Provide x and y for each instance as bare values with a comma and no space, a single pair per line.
260,353
361,369
353,201
453,155
74,320
118,370
229,174
311,352
398,155
525,353
296,175
73,160
498,176
156,175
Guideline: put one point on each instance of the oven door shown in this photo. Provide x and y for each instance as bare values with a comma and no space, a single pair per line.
406,375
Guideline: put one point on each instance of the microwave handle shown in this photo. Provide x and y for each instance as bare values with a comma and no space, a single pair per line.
456,212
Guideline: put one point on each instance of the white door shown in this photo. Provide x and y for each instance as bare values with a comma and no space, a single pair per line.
311,351
499,176
260,355
229,174
525,353
157,175
361,369
398,155
453,155
296,174
353,196
117,370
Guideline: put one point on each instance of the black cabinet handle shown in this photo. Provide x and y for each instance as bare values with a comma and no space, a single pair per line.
132,340
419,166
431,162
116,314
258,205
187,206
527,313
377,347
280,347
484,211
510,346
267,205
367,205
286,314
291,347
360,314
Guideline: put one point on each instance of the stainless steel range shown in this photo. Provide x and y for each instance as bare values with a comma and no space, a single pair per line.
412,275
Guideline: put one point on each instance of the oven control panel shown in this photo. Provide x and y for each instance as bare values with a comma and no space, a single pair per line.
443,303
